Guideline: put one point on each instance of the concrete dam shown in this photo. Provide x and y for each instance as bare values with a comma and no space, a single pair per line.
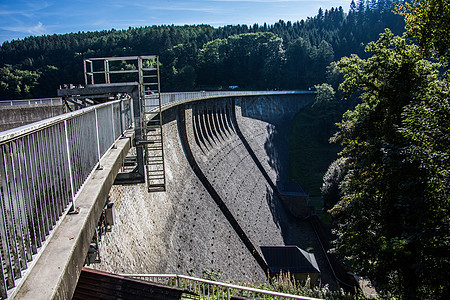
223,159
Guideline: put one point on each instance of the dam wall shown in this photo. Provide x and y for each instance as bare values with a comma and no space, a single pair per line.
222,159
19,115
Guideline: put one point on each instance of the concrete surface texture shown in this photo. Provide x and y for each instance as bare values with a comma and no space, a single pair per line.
185,230
19,115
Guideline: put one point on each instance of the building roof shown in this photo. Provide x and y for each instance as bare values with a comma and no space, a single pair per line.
98,285
290,188
289,259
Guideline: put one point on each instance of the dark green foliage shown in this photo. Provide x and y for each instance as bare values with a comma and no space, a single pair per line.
392,220
16,83
309,150
429,22
284,55
249,60
331,191
426,126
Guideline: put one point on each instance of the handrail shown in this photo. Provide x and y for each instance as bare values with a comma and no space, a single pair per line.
43,166
169,98
125,58
208,289
17,132
57,100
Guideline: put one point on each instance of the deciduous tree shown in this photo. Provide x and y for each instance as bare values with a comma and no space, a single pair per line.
387,225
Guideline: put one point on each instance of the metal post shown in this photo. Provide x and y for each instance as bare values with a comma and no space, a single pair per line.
137,118
106,66
121,117
113,127
98,139
69,162
85,72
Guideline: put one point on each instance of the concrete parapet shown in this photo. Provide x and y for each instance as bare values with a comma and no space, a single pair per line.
19,115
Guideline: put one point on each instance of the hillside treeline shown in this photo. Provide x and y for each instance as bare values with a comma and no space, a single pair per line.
284,55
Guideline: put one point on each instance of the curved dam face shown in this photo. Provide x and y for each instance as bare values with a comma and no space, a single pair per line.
223,157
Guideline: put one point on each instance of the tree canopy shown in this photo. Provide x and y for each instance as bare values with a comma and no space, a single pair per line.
429,22
394,211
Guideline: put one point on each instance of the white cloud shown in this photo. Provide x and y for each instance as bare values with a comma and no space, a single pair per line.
38,29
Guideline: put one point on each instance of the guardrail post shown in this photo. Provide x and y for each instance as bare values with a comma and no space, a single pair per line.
113,127
121,117
85,72
69,162
178,281
99,167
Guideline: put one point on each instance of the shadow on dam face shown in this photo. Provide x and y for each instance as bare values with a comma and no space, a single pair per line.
239,145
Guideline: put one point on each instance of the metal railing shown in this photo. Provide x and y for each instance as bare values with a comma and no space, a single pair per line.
31,101
167,98
100,69
197,288
42,168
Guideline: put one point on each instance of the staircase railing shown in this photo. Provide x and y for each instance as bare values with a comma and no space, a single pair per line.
198,288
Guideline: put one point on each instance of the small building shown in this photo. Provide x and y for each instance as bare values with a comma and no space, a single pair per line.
293,260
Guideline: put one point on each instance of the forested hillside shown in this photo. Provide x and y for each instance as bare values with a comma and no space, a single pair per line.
283,55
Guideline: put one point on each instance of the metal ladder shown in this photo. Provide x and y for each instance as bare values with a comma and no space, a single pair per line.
151,113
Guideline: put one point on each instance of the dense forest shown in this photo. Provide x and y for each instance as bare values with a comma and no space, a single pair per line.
284,55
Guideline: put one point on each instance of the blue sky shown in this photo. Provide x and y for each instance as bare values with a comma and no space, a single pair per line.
22,18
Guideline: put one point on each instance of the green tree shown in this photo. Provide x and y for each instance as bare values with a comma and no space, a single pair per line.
16,83
250,60
429,22
426,126
298,64
325,97
330,190
385,214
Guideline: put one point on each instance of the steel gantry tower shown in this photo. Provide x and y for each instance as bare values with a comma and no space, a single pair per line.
138,77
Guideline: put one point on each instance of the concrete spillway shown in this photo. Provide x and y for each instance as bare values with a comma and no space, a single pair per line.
222,157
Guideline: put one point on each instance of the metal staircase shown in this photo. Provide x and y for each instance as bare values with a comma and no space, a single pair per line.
138,77
152,133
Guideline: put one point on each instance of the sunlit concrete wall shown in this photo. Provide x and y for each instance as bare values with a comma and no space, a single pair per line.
19,115
183,230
